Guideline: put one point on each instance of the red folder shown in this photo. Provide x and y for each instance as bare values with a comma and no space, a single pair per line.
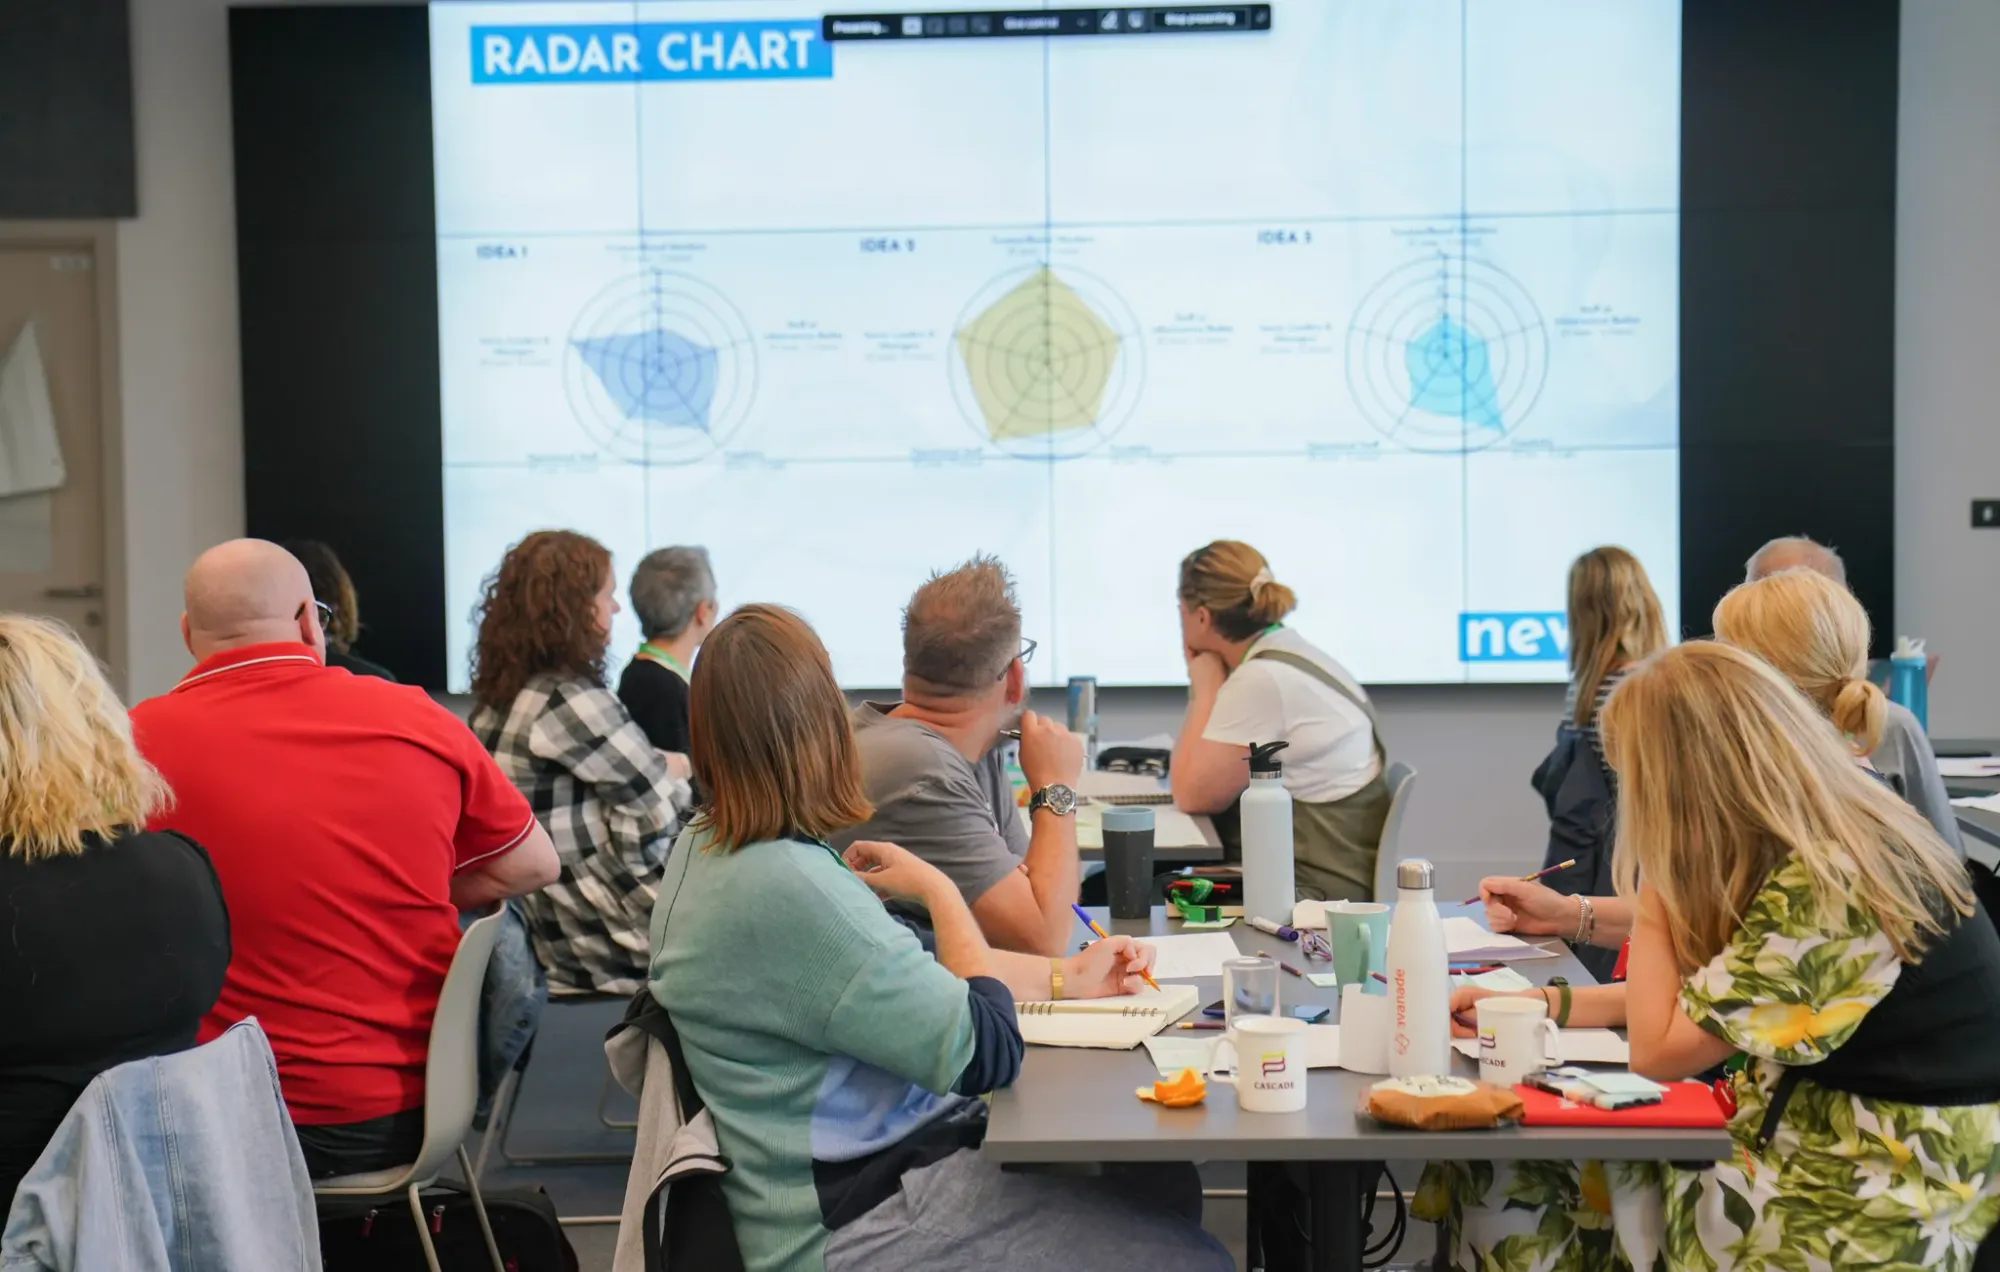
1689,1105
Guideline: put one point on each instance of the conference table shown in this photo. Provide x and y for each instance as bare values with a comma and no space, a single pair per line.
1071,1105
1978,823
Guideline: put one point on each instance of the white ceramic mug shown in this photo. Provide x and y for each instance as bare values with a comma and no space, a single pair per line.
1516,1038
1267,1055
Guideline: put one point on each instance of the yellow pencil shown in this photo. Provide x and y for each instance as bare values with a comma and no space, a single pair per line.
1105,936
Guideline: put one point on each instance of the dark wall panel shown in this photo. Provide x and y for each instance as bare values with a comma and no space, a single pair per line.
1788,290
337,264
66,110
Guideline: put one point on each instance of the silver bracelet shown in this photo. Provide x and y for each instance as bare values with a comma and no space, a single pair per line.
1586,921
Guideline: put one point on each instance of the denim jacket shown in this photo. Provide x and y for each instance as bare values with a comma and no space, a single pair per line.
181,1163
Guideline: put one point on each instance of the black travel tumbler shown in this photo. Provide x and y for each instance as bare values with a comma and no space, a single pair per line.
1128,860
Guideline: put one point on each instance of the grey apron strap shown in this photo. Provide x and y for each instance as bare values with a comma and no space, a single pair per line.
1332,682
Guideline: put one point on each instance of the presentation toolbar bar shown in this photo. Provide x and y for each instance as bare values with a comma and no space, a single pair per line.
1206,19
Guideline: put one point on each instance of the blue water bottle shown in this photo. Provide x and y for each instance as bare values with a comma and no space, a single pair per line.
1907,685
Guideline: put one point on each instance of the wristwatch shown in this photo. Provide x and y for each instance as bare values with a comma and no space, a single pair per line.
1055,797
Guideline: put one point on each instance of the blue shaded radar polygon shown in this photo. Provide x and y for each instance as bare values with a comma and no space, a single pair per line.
1451,374
659,377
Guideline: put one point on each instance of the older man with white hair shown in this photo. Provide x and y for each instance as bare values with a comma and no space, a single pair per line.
1904,754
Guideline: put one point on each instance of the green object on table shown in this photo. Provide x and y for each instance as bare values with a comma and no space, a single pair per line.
1220,922
1325,980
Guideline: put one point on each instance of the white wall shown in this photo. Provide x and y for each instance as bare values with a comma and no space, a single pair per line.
1947,371
1473,747
182,403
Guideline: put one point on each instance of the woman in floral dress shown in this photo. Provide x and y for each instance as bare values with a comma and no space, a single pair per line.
1798,915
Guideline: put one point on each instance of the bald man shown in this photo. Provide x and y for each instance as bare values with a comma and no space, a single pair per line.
350,820
1904,754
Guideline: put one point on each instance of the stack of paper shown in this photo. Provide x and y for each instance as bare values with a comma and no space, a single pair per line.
1114,1024
1984,803
1465,941
1969,766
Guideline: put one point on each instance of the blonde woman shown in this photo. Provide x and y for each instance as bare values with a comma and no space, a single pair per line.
1801,923
1251,679
117,938
1815,633
1615,620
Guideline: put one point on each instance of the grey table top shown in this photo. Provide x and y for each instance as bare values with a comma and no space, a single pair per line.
1980,824
1071,1104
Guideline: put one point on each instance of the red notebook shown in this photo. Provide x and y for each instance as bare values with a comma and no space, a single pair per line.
1690,1105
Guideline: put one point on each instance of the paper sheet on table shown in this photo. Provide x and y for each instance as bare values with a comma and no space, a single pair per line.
1187,957
1178,1049
1123,788
1984,803
1577,1046
1968,766
1506,980
30,453
1175,1050
1465,939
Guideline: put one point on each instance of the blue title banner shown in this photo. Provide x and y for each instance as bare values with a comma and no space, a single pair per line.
1513,637
627,52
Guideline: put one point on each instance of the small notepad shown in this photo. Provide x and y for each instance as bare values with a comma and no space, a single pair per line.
1112,1024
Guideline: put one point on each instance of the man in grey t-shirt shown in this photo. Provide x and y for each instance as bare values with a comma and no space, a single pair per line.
930,764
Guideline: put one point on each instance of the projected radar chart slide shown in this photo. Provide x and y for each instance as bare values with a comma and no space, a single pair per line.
1049,362
660,368
1447,353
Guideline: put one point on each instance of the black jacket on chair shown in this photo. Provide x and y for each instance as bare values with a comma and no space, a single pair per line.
1575,786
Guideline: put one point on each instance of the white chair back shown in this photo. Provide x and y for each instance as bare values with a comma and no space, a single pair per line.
1401,780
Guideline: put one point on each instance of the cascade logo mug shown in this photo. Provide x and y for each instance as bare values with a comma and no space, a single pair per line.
1516,1038
1267,1058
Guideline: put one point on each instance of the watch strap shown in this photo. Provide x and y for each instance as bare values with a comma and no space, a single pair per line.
1055,979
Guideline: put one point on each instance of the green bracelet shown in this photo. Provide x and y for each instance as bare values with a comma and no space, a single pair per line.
1561,986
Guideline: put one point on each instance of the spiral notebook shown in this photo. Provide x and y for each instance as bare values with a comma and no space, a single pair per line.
1113,1024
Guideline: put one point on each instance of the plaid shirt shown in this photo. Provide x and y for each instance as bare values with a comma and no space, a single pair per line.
606,798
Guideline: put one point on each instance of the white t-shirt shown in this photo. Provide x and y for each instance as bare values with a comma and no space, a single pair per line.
1332,751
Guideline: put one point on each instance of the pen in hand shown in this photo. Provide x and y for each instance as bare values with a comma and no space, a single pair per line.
1105,936
1530,878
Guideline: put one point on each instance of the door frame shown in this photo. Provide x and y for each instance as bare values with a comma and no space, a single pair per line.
100,238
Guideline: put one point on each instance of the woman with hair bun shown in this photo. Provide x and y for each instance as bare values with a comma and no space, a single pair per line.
1251,679
1815,633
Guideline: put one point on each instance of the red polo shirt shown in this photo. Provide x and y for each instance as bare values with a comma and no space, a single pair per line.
336,809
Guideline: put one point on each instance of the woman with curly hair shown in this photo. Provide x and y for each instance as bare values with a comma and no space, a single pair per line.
610,802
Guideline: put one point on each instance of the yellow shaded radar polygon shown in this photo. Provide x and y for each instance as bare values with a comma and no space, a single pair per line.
1039,359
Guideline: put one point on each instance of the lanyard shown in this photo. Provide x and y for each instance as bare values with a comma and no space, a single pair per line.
658,655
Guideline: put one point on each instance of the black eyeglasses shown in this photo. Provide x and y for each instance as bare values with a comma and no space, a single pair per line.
1026,656
325,614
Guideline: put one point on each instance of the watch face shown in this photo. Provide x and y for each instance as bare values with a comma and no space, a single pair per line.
1059,799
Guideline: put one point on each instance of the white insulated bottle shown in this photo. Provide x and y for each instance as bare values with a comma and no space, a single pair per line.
1266,828
1419,984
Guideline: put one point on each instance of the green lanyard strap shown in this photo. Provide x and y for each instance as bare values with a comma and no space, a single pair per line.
648,649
